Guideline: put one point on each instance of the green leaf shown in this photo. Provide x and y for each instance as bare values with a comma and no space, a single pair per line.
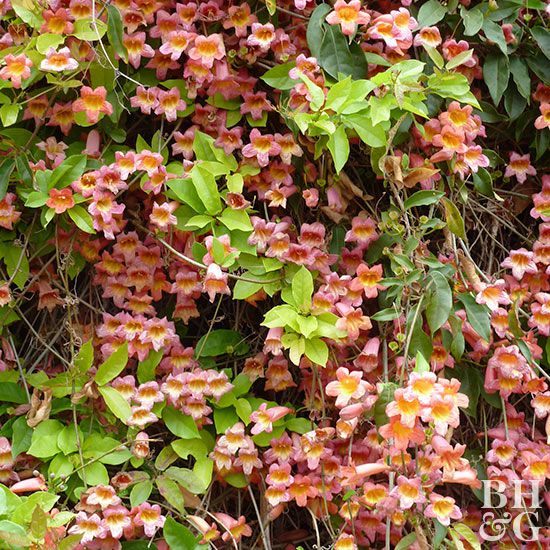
478,316
495,34
146,368
454,219
82,219
440,301
140,492
299,425
21,437
113,366
221,342
336,58
9,113
372,135
85,30
542,37
472,20
6,168
430,13
116,403
496,73
277,77
520,73
338,145
236,220
179,537
115,31
48,40
179,424
316,93
483,182
459,59
12,393
471,383
317,351
85,357
206,188
423,198
467,534
316,29
94,473
406,541
44,439
13,534
68,171
302,289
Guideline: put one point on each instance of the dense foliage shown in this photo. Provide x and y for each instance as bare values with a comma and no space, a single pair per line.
274,273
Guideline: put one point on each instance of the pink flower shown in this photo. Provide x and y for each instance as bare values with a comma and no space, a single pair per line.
58,60
493,295
543,121
311,197
261,36
17,69
169,103
348,15
176,43
409,492
93,102
428,37
60,200
55,150
103,495
146,99
90,527
234,529
207,49
520,262
116,518
520,167
215,282
261,147
348,386
148,516
264,418
163,215
443,509
137,48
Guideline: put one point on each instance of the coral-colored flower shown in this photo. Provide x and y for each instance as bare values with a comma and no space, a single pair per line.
169,103
234,529
443,509
207,49
215,282
18,68
368,280
348,15
263,418
60,200
543,121
409,492
89,526
163,215
428,37
150,517
348,386
93,102
261,147
8,214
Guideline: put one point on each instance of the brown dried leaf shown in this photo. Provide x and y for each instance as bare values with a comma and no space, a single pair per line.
417,175
40,408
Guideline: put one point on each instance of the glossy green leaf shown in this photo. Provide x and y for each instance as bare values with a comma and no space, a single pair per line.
478,316
116,403
440,301
430,13
454,219
113,366
115,31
